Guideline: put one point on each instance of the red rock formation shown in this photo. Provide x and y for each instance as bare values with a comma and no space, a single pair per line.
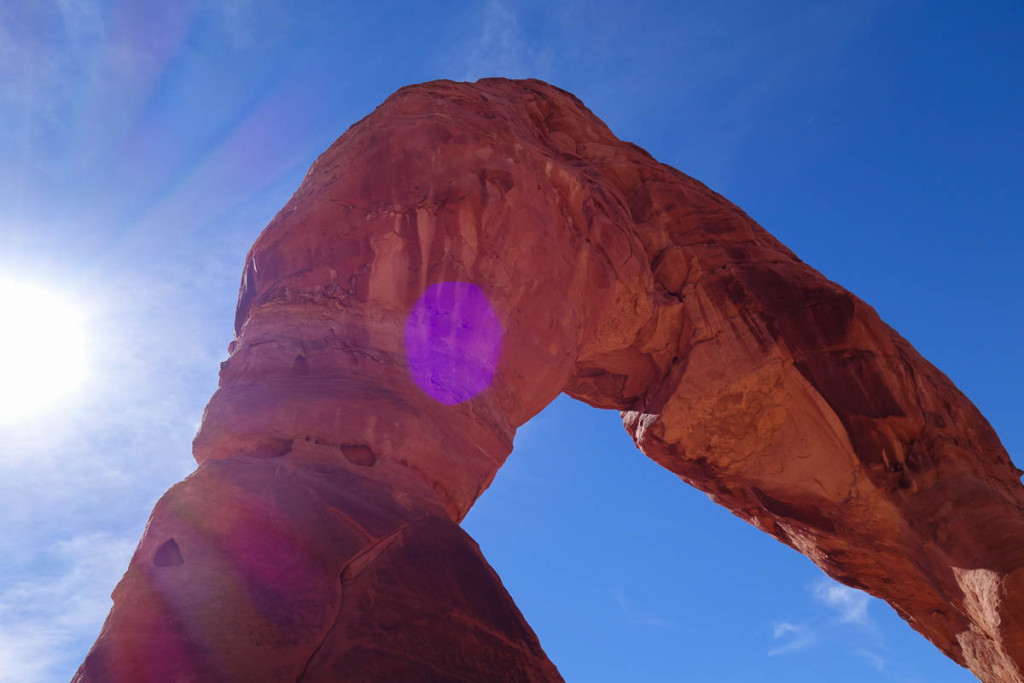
368,401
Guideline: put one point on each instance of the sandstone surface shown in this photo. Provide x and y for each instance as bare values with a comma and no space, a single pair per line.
450,265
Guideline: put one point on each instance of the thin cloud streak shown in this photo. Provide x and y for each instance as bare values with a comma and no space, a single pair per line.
850,603
501,49
851,606
636,616
794,637
44,621
877,661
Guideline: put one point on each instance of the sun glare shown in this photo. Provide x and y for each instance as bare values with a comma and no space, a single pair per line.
42,350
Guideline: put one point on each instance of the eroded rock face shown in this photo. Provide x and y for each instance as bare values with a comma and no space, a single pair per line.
449,266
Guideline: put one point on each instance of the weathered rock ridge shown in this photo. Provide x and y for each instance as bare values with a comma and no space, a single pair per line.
450,265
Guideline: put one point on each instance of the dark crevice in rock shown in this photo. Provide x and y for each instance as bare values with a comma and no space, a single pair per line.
359,454
168,555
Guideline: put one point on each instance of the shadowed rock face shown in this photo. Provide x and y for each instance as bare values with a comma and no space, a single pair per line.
449,266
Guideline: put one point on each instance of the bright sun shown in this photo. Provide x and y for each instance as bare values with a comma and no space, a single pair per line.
42,350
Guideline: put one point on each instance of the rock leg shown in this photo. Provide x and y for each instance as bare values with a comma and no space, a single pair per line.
276,570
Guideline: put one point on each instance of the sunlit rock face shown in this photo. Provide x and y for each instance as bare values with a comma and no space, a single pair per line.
449,266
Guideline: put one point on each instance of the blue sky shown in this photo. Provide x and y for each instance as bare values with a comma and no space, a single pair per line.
143,145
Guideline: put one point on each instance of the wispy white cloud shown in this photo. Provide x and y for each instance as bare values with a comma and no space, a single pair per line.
638,616
237,19
791,638
44,621
850,603
29,65
247,23
876,660
498,47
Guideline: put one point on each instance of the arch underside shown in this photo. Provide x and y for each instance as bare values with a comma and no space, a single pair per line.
318,540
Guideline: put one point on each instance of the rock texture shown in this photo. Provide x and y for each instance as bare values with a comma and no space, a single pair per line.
449,266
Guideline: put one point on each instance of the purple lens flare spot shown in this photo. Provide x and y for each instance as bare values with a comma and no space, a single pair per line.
452,341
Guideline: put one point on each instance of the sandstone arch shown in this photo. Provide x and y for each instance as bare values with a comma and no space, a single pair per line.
318,540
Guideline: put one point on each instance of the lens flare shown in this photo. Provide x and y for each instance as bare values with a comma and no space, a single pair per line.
452,341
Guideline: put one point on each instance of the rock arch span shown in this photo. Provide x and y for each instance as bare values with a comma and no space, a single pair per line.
318,540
